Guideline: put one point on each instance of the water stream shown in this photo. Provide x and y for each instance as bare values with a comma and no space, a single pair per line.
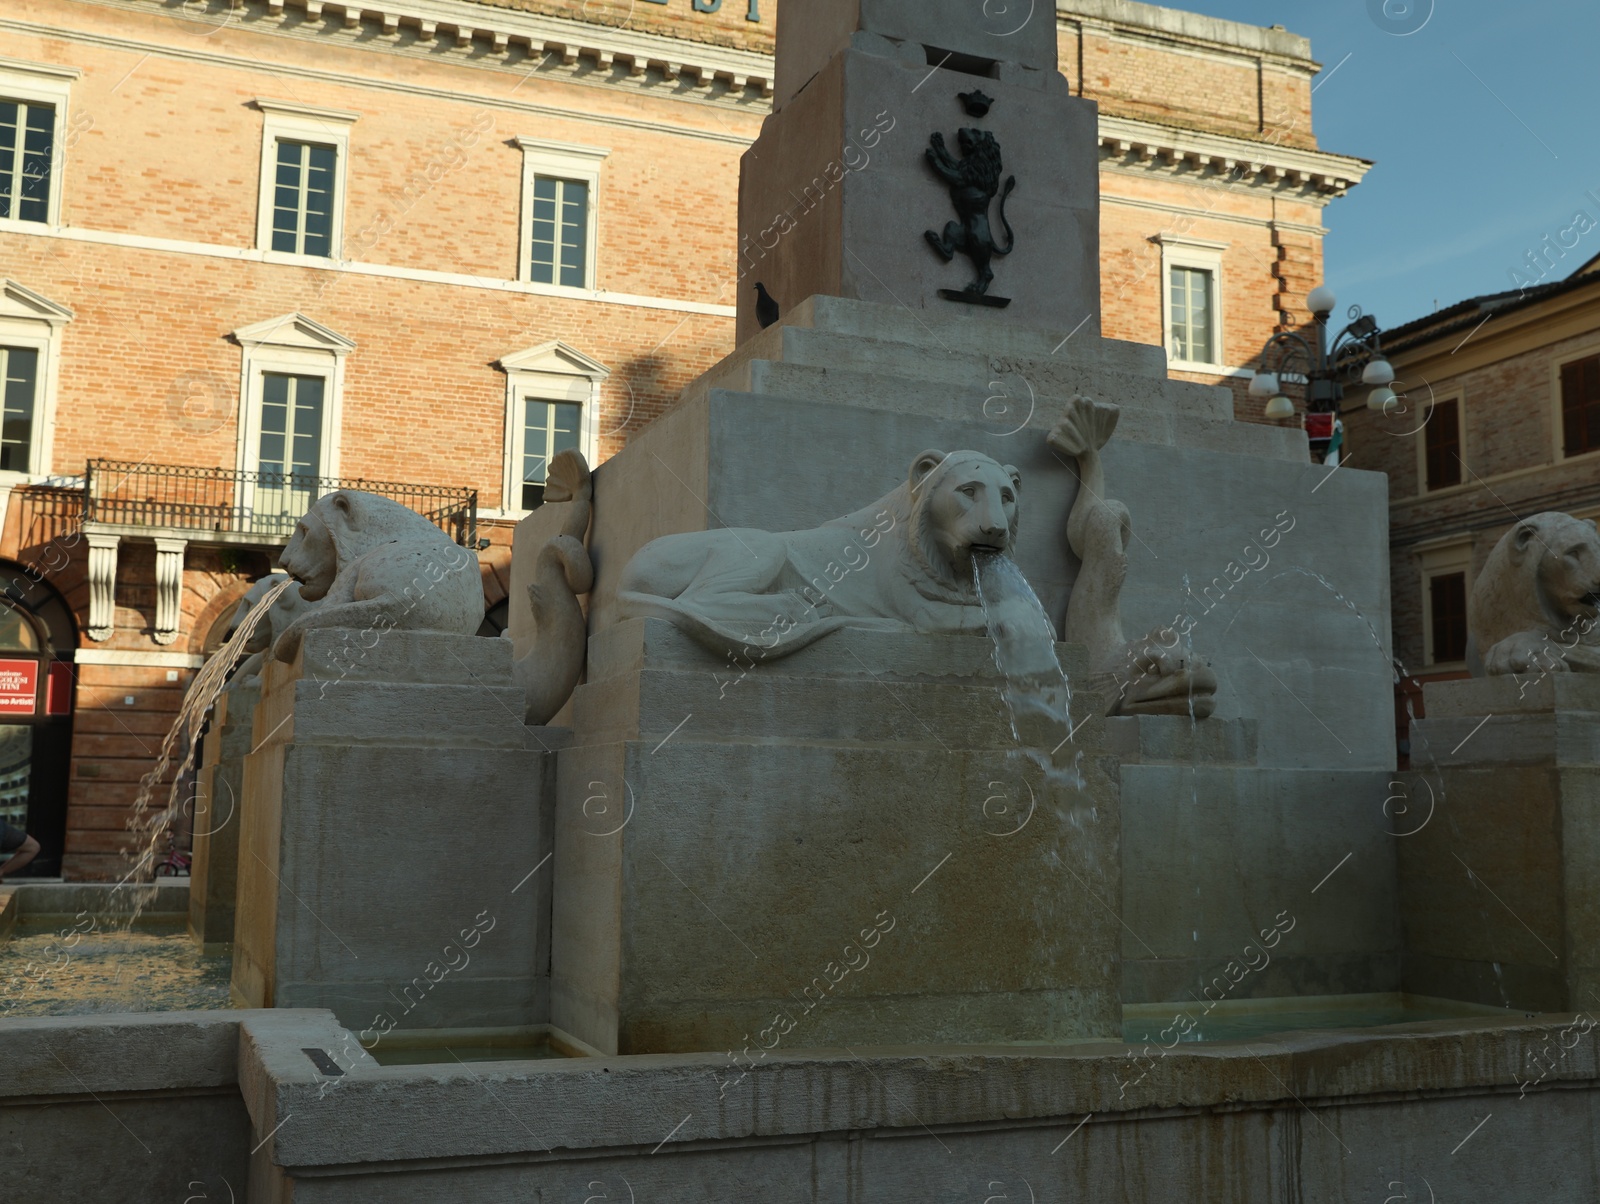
135,888
1037,694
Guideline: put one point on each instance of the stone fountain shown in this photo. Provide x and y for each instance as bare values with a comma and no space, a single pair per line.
951,694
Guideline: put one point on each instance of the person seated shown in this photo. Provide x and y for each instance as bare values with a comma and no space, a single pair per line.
18,842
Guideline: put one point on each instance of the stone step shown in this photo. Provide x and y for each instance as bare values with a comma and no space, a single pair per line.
958,330
1224,436
1178,740
1523,694
897,336
1553,738
1002,397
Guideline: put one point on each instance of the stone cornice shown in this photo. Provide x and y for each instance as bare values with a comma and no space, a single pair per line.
472,33
1144,144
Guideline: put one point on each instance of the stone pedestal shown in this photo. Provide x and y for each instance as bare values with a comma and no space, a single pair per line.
219,786
824,412
1500,887
842,847
396,831
836,195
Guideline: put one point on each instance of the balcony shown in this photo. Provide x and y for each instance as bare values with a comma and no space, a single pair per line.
175,505
220,506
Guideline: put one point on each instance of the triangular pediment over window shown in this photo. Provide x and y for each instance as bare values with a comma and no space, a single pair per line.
18,301
554,358
294,330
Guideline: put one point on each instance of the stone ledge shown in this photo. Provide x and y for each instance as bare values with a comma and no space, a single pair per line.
1528,693
396,1114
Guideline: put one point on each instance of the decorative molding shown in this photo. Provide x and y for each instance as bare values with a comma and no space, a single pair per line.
169,587
1145,146
19,301
284,108
1210,214
30,319
422,275
102,585
1183,240
294,345
627,57
552,371
297,331
46,70
561,150
554,358
129,659
212,57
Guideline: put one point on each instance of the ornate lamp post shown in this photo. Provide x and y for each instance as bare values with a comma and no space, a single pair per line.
1353,355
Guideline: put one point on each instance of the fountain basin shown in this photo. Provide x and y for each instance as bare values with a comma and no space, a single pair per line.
1332,1115
530,1043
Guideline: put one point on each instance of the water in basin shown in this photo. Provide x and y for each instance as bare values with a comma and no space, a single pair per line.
61,965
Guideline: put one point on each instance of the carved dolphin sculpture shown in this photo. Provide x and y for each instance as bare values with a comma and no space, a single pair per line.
1149,676
549,671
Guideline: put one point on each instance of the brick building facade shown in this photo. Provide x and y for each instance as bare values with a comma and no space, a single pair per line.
430,242
1492,423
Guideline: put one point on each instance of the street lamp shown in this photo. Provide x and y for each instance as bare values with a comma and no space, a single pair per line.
1354,354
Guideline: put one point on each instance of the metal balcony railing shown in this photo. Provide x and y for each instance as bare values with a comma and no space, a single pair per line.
239,506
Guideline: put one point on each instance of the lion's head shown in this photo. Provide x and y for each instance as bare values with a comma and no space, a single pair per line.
960,503
339,528
980,163
284,608
1543,576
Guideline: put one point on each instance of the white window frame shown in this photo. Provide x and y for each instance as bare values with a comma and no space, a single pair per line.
302,123
551,371
1205,255
1440,559
41,83
1558,443
28,319
1461,442
292,344
568,162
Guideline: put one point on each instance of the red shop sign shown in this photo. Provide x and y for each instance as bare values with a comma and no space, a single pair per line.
19,687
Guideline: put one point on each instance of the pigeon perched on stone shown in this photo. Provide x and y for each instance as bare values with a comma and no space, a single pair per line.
766,307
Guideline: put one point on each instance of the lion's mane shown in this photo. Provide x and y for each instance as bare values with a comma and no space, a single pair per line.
981,166
1516,593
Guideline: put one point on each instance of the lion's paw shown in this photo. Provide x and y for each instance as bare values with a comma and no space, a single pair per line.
1525,652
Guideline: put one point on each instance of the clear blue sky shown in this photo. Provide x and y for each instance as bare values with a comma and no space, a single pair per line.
1471,172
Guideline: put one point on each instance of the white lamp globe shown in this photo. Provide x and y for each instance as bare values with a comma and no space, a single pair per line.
1321,300
1263,384
1378,372
1280,407
1380,398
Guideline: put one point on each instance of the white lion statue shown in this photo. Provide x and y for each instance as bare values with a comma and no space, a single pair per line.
286,608
903,563
374,564
1536,605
